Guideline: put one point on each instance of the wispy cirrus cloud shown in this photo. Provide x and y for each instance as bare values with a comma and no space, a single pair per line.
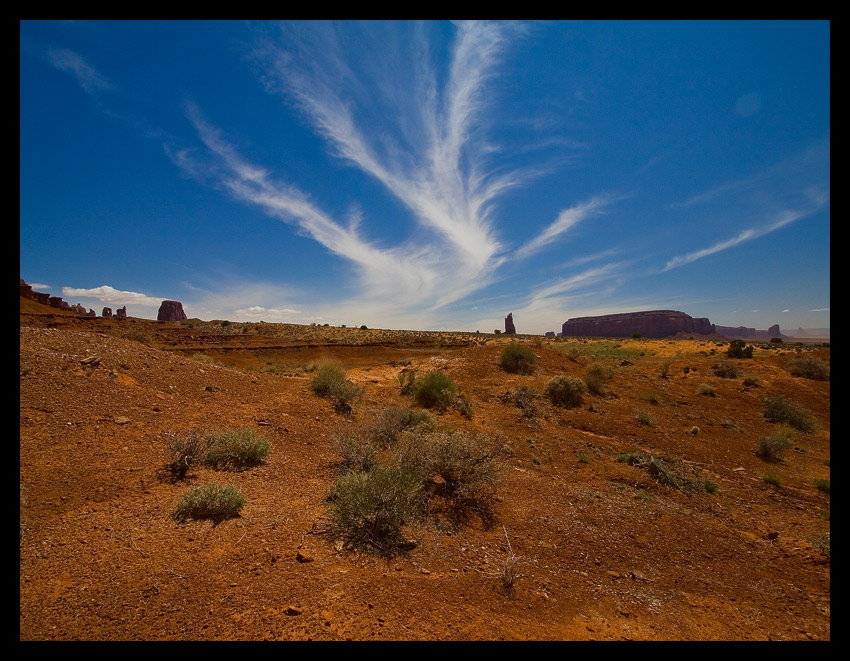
783,219
89,78
429,154
566,220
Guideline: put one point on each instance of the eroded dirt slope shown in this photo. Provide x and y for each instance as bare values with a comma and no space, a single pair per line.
605,551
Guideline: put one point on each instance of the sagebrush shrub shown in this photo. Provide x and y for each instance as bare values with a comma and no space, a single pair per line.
455,467
739,349
596,376
369,510
770,446
565,391
435,390
357,451
785,411
330,382
184,450
726,369
518,359
234,449
389,426
809,367
210,501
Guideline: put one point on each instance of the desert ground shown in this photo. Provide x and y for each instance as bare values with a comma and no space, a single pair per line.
580,543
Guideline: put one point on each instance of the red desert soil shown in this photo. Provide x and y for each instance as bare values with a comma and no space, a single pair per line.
604,551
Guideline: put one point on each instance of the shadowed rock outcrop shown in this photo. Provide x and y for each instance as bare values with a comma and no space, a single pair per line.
650,323
510,329
171,311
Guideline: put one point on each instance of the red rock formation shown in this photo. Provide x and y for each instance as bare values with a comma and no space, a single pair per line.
107,313
121,313
171,311
650,323
509,324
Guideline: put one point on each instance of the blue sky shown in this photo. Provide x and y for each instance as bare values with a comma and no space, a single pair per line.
431,175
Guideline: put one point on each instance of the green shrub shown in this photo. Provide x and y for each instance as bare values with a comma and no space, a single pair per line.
523,398
435,390
782,410
389,426
739,349
822,485
710,486
809,367
518,359
596,376
210,501
707,390
330,382
644,418
770,446
328,376
463,406
632,458
234,449
772,480
184,450
370,510
565,391
459,469
357,451
726,369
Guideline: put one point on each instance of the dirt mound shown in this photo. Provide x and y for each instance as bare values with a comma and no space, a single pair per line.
602,546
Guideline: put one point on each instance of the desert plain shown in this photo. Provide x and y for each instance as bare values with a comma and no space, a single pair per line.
581,544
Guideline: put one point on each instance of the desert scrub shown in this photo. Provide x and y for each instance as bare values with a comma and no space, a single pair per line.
726,369
393,422
330,382
210,501
770,447
644,419
458,469
809,367
369,511
706,390
785,411
739,349
235,449
596,376
184,450
565,391
822,485
772,480
518,359
357,450
523,398
434,390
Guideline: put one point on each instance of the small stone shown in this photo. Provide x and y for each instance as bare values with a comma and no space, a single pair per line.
303,556
120,420
293,610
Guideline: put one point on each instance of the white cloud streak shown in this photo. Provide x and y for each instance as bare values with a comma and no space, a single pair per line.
108,294
567,219
87,76
783,219
437,171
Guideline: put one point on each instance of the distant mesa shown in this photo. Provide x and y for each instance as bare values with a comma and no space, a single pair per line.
54,301
650,323
742,333
510,329
171,311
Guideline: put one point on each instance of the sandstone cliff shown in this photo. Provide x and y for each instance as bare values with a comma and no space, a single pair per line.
649,323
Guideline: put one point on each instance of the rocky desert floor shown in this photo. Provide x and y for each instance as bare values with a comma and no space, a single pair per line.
598,549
